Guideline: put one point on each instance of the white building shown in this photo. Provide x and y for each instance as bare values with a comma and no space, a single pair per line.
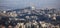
20,25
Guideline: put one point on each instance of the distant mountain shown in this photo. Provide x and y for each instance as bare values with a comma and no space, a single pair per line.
18,9
4,8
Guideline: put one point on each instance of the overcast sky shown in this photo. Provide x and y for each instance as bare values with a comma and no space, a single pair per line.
26,3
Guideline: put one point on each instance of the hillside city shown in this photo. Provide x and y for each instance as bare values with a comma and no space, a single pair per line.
30,17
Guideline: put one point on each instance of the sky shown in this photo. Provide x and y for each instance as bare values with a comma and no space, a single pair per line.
25,3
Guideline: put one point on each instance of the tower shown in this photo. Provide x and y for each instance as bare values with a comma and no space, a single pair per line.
32,6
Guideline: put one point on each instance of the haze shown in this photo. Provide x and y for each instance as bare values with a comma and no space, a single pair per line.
25,3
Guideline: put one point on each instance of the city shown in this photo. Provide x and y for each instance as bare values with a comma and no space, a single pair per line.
30,17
